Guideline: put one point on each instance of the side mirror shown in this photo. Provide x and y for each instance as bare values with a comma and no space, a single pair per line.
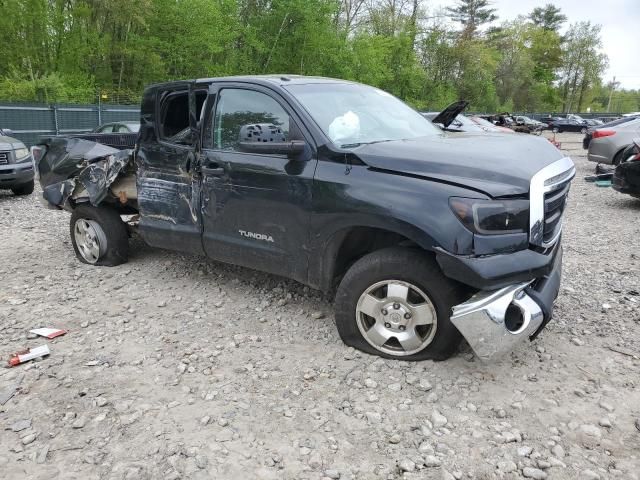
267,138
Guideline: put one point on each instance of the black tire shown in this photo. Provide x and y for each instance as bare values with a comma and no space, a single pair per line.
408,265
24,189
116,250
583,131
555,130
626,155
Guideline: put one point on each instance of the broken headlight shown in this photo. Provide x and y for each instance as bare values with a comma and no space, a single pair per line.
492,217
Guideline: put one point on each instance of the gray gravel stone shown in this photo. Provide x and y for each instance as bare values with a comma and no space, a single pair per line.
407,465
534,473
438,420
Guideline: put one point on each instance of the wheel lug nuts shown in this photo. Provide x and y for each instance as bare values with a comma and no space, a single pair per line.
407,316
384,311
403,328
396,306
387,325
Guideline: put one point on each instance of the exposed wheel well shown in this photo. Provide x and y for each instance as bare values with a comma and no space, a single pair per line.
618,157
358,242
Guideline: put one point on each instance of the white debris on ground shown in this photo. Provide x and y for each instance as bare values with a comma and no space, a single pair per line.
178,367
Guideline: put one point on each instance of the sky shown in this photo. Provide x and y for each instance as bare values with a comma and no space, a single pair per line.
620,20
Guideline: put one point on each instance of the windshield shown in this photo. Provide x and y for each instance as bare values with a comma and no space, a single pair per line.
351,114
134,127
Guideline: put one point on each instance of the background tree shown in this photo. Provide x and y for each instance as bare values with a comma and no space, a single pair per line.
75,50
472,14
548,17
582,64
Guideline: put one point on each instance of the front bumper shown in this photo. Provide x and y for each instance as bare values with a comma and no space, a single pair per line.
491,272
15,174
493,322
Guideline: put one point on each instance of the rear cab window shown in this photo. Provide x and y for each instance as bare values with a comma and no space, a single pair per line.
174,126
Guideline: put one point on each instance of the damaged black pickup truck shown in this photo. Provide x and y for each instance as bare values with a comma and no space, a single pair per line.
428,236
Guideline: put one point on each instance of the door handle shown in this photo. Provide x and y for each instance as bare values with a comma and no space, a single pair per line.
213,171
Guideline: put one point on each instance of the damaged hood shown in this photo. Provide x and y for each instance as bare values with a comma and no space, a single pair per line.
498,165
449,114
72,166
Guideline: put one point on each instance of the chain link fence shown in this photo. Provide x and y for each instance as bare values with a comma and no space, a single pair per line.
29,122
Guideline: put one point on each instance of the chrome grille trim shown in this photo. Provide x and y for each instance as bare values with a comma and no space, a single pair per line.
546,180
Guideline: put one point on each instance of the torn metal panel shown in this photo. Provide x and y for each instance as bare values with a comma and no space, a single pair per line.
98,177
77,168
58,193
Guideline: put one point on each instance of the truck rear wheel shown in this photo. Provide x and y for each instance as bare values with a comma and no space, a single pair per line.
99,236
396,303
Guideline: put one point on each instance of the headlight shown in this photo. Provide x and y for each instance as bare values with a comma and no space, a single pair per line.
492,217
21,153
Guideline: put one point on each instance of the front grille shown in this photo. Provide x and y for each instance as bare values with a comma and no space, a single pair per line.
554,203
4,158
547,200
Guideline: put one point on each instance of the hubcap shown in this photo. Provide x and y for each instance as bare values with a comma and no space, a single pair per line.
90,239
396,317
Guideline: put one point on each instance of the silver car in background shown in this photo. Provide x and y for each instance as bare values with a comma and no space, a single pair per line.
608,144
16,165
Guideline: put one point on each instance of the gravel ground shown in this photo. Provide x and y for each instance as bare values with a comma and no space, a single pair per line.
179,367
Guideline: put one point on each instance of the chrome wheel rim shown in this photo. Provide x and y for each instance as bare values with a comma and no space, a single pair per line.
90,239
396,318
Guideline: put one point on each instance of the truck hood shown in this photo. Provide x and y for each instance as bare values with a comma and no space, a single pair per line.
496,164
7,143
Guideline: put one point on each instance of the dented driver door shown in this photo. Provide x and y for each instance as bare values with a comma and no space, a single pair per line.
168,188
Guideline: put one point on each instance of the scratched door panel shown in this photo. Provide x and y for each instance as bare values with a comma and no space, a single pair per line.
168,189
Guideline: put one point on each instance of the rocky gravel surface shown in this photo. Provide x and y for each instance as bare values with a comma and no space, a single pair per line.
176,367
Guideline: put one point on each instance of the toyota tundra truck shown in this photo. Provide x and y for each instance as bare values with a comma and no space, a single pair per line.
424,236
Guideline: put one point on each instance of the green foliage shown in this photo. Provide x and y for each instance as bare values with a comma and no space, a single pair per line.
472,14
78,50
548,17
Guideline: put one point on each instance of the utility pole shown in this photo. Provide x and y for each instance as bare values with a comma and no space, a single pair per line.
614,84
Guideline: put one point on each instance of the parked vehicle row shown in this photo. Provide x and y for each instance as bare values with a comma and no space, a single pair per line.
451,119
520,124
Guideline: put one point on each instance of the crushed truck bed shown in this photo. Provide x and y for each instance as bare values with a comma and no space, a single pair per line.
73,169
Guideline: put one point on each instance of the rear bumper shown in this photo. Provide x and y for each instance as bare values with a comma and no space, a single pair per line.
15,174
494,322
599,158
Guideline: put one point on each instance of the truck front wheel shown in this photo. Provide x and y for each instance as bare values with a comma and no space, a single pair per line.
396,303
24,189
99,236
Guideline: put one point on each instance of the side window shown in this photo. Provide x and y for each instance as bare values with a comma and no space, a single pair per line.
106,129
122,129
174,117
237,107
